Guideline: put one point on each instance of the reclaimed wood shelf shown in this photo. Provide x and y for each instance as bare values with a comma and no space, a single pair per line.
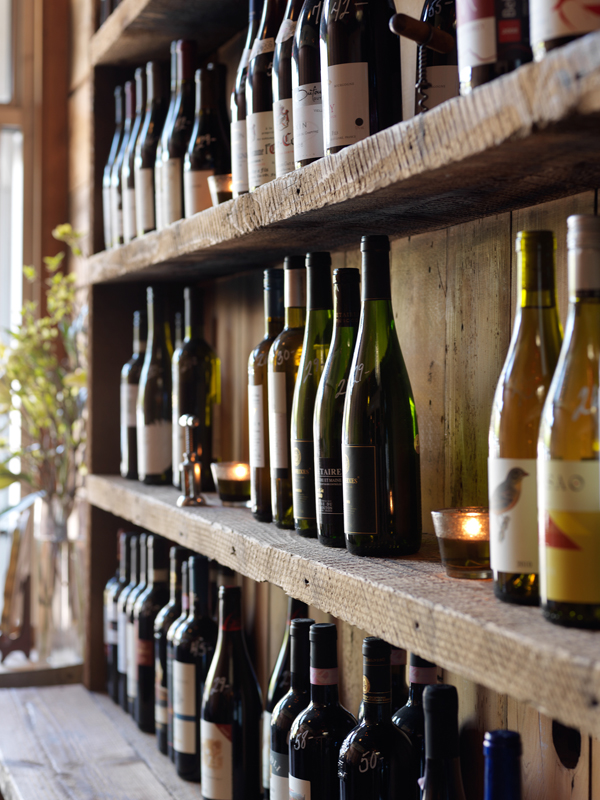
527,137
410,602
138,30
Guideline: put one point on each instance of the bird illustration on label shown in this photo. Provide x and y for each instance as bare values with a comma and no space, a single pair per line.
506,496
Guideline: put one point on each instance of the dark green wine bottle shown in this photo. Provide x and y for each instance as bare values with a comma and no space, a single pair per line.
329,409
315,347
380,439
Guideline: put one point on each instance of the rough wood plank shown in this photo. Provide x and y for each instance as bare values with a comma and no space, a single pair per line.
350,660
527,137
409,602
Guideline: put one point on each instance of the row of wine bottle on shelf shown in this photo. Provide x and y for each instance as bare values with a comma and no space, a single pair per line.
191,682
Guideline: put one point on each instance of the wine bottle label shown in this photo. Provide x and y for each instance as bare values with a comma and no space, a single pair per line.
184,707
128,214
256,426
423,675
278,429
376,683
122,643
308,121
131,660
549,20
129,395
144,200
279,784
266,748
106,217
284,136
569,521
145,652
303,479
161,716
299,789
324,677
443,85
286,31
196,191
154,447
261,46
513,515
330,499
476,33
239,158
172,176
217,761
158,194
261,148
398,657
360,489
346,103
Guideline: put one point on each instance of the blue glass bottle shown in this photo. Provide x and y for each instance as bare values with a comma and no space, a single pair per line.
502,776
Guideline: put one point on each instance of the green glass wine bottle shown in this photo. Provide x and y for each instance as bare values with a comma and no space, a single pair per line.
329,408
284,361
380,437
514,427
317,337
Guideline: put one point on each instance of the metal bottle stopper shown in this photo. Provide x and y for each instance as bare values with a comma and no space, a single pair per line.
190,469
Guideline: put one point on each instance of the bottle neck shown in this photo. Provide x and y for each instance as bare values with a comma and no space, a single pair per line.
376,284
274,313
156,331
295,317
346,305
118,109
193,317
324,694
299,664
294,290
502,775
124,567
230,619
319,289
377,689
175,581
198,605
443,778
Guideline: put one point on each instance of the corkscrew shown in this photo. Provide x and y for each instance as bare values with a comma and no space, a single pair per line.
422,83
191,468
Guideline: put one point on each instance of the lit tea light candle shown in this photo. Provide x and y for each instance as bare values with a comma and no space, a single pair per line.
232,479
463,536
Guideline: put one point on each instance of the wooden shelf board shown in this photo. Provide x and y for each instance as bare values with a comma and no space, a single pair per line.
139,30
410,602
525,138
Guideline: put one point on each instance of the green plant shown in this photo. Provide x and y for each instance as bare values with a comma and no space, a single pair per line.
43,377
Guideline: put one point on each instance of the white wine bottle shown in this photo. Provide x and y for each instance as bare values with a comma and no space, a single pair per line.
568,491
516,411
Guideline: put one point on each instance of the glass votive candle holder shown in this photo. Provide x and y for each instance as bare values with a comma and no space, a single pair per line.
232,479
463,536
220,187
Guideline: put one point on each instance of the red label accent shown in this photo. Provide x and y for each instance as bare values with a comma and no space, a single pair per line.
557,538
398,657
425,675
227,732
231,623
509,30
145,652
470,10
323,677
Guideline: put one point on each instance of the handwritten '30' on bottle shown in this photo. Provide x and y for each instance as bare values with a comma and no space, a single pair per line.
568,490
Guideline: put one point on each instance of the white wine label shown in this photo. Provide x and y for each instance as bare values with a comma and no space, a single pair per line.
106,217
346,103
261,148
329,493
423,675
217,761
132,673
122,643
129,395
512,487
158,194
172,177
359,470
266,748
324,677
184,707
144,200
397,657
549,20
444,85
569,521
261,46
299,789
161,714
279,783
245,59
476,33
308,121
256,426
279,436
239,158
196,191
303,479
129,231
286,31
154,447
284,136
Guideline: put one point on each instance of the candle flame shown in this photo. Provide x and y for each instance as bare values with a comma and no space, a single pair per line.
472,527
240,471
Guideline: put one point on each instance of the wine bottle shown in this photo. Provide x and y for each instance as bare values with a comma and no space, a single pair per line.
146,609
285,711
164,619
284,359
375,758
258,411
145,150
437,73
116,183
153,411
279,684
196,379
193,649
113,613
175,143
181,619
239,152
162,145
130,379
315,347
306,83
132,686
399,687
360,71
380,439
568,491
209,149
107,606
231,709
106,175
283,119
552,25
134,578
259,97
128,168
443,780
492,39
502,776
410,718
514,427
329,409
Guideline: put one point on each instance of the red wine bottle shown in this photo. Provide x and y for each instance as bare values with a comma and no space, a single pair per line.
107,606
116,183
134,577
231,709
145,149
128,168
193,650
171,633
161,147
317,733
132,685
124,578
442,779
306,83
555,24
130,380
399,686
106,177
